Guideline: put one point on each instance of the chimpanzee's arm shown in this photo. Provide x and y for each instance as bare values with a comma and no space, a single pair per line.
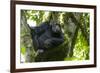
57,41
54,42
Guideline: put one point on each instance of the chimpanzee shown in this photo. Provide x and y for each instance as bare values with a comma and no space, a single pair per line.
46,36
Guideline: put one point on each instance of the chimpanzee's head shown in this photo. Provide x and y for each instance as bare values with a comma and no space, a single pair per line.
56,28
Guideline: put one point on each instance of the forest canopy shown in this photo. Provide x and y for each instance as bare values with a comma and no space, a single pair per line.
74,25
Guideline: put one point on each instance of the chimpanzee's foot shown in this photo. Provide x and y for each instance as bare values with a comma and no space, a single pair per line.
40,50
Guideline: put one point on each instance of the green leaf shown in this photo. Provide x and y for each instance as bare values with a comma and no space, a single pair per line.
23,49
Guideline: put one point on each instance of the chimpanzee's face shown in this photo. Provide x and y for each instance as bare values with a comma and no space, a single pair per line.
56,28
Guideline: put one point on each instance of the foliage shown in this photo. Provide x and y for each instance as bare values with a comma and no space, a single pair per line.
75,27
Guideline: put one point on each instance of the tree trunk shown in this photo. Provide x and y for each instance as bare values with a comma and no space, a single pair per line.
26,40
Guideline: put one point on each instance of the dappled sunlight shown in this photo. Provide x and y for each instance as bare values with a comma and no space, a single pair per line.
31,23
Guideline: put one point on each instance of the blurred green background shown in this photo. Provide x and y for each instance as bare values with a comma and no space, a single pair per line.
75,26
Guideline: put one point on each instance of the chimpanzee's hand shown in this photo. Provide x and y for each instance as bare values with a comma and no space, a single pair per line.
47,43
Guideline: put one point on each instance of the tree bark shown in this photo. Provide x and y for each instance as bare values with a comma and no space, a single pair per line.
26,39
